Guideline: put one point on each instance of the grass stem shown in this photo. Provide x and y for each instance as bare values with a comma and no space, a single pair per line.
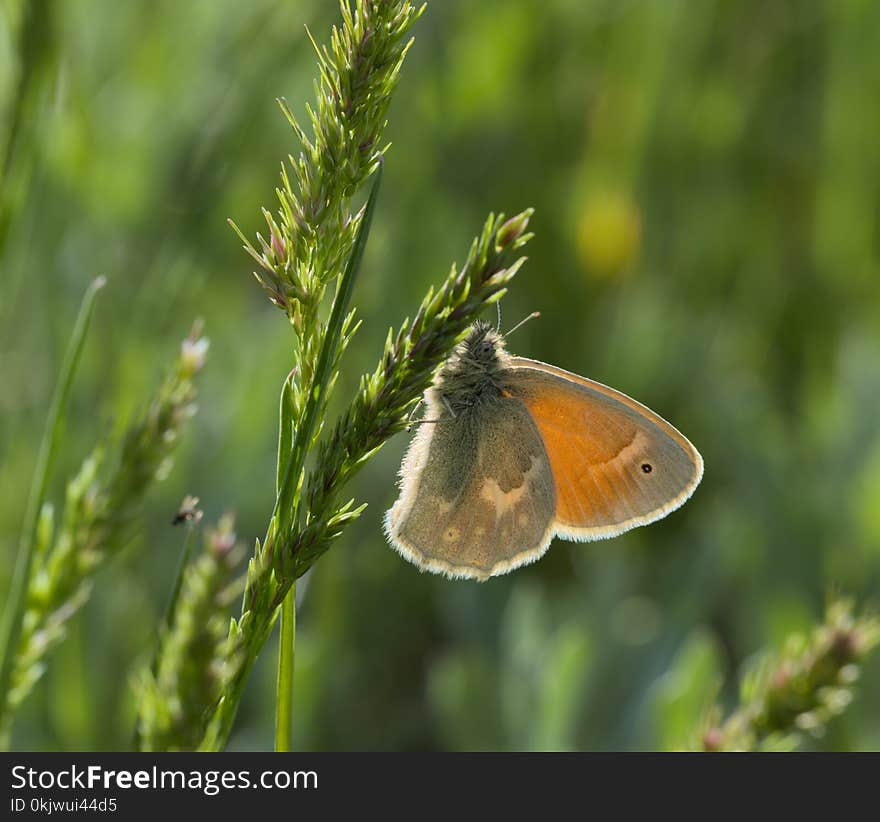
286,653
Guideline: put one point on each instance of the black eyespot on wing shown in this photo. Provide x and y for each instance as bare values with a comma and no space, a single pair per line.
647,467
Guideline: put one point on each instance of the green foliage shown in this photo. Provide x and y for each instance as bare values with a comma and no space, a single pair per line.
706,195
533,700
101,503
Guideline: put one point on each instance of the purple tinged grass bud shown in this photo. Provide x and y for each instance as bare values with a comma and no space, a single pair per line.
278,246
512,230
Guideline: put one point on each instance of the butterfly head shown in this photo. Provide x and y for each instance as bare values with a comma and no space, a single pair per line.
471,373
482,347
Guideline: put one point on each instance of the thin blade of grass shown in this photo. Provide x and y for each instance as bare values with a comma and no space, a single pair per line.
15,601
284,686
287,633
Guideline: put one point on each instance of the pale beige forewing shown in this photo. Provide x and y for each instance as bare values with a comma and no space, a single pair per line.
477,496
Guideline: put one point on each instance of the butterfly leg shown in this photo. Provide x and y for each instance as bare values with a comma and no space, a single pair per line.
412,414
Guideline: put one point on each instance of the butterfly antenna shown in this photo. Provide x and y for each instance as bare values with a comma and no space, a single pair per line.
522,322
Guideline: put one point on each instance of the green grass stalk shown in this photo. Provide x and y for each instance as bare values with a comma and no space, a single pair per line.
287,633
188,672
286,505
795,694
286,659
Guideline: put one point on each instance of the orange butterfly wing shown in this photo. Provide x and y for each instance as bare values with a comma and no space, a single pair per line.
616,464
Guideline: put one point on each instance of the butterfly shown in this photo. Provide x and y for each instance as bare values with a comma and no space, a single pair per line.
513,452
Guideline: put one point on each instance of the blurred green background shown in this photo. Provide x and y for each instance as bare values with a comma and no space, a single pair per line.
707,183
